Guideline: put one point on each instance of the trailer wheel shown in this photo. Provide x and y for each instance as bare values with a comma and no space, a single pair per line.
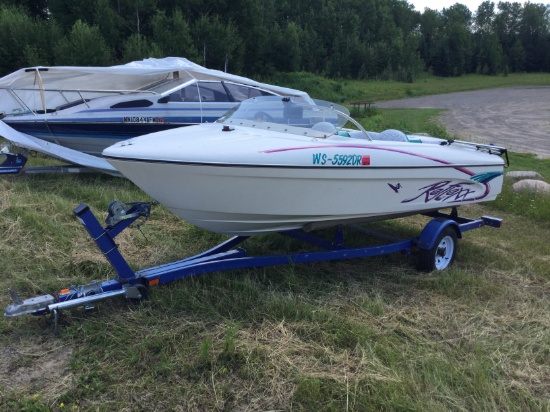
442,254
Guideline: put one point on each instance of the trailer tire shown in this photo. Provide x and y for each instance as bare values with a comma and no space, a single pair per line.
442,254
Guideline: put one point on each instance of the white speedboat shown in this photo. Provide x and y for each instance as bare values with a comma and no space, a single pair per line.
273,164
87,109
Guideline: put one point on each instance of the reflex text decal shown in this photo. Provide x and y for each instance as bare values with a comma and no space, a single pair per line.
446,191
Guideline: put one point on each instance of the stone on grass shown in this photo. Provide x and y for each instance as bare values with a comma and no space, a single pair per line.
518,175
532,185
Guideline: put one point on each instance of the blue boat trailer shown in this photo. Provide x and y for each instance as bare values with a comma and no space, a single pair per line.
14,163
436,244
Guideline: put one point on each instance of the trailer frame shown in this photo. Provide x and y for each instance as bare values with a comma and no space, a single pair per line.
134,285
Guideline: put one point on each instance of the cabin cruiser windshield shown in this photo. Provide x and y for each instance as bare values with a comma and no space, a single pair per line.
291,115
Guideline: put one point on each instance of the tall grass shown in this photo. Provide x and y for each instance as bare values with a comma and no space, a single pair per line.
347,91
354,335
407,120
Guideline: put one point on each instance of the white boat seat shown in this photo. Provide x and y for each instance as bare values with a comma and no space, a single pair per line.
293,112
357,134
324,127
392,135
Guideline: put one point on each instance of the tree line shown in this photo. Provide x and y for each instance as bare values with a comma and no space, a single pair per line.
357,39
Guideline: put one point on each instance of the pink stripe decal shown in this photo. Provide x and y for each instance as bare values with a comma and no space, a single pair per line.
353,146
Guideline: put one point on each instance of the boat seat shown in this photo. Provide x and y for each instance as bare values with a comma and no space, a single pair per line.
391,135
293,112
324,127
357,134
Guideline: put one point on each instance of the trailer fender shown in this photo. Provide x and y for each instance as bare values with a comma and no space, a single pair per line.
433,229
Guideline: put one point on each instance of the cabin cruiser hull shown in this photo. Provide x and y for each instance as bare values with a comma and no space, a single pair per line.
88,137
87,109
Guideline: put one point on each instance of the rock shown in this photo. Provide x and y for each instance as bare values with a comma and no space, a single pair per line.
518,175
532,185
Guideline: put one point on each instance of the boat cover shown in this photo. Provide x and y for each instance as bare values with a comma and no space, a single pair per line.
127,77
56,151
28,82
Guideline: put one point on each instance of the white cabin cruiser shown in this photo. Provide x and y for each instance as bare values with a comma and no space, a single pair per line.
87,109
274,164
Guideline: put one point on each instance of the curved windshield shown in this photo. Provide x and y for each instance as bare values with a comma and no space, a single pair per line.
290,115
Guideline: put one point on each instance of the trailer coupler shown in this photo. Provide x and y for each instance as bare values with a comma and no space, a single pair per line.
85,295
82,295
127,284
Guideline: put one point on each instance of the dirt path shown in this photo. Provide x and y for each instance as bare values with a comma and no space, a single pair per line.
517,118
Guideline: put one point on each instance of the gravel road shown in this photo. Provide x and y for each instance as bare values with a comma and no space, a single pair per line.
517,118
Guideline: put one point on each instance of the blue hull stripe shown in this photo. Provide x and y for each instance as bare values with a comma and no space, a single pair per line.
222,110
119,131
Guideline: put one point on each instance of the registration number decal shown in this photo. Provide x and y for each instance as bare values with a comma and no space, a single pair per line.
142,119
341,159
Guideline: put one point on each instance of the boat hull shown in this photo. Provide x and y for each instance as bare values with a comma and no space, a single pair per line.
274,164
88,137
252,199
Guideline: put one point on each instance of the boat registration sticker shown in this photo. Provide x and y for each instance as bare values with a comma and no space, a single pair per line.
341,159
142,119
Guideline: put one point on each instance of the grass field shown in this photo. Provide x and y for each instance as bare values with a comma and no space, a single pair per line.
349,91
356,335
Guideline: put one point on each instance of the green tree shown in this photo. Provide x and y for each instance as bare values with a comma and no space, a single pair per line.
397,41
218,43
136,15
313,54
137,47
516,57
488,55
339,38
92,12
534,35
252,20
35,8
108,22
454,51
68,12
172,35
506,25
431,28
489,58
26,41
287,49
484,18
84,46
